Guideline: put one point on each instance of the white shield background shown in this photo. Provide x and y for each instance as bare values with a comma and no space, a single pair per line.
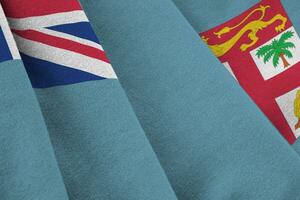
286,105
227,66
268,70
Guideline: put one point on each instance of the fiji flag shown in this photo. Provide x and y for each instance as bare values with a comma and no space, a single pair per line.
57,43
8,50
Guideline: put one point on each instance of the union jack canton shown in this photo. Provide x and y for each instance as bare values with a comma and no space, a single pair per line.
57,43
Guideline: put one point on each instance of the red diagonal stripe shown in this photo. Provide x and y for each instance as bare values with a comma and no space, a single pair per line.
29,8
62,43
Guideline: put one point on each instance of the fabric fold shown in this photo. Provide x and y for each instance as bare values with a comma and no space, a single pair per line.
211,139
206,15
28,167
100,146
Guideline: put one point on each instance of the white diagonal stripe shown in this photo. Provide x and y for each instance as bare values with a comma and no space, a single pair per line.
64,57
71,37
47,20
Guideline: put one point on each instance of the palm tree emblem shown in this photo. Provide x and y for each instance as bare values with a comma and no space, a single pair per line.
278,49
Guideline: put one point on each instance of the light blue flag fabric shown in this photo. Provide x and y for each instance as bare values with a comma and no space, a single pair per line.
100,146
204,15
211,139
28,167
